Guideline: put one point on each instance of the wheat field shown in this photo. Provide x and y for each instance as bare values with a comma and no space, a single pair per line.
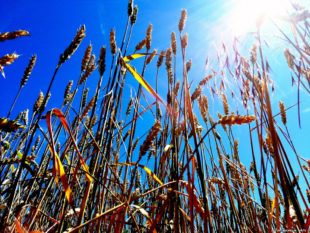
93,164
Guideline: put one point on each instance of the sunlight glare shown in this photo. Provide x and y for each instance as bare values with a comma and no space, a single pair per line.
246,13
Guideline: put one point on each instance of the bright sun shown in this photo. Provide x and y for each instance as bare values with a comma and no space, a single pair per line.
246,13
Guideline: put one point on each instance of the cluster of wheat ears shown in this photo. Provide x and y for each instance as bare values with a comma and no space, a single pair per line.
184,174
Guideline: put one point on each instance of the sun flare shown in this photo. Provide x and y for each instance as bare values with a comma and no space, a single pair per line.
246,13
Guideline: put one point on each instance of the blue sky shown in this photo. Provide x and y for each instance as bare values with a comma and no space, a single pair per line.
53,24
52,27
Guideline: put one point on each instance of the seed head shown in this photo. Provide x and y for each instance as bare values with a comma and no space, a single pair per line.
102,60
224,126
38,103
149,37
86,57
289,58
130,7
151,56
129,107
173,43
13,35
28,70
168,65
133,17
150,138
283,113
7,60
184,41
68,89
90,68
25,116
168,58
196,93
19,116
188,65
112,42
182,20
161,58
158,111
236,119
236,150
84,97
140,45
68,98
93,122
138,180
202,110
253,52
88,107
73,45
46,101
176,88
170,76
225,104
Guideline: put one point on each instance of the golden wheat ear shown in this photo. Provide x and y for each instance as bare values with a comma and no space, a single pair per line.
73,46
149,37
182,20
86,57
151,56
283,113
101,62
28,70
9,125
90,68
133,17
7,60
236,120
38,104
173,43
13,35
112,42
